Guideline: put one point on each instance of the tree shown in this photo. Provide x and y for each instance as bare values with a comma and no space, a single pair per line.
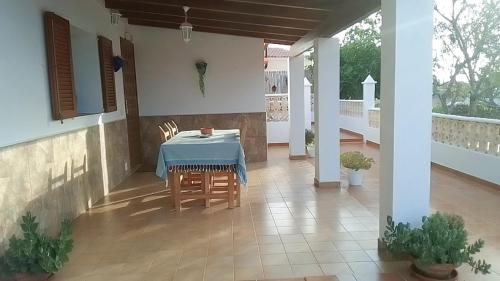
360,57
469,32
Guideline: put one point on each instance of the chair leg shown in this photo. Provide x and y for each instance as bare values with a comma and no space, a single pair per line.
230,190
238,194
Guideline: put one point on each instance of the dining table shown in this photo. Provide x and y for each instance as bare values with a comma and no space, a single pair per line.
193,152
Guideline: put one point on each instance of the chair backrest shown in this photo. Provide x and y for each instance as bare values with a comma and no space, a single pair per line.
169,128
164,134
173,127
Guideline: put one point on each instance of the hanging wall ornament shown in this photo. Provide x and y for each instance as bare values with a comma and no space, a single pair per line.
201,66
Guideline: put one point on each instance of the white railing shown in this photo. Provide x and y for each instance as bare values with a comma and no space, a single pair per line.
277,107
351,108
477,134
374,118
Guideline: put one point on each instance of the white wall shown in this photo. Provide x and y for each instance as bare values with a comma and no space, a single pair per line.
278,132
477,164
24,87
167,78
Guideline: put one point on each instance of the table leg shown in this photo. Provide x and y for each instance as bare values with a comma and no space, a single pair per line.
238,194
170,179
230,190
177,191
206,188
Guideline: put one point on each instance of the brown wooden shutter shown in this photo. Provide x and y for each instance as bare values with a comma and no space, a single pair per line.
60,64
107,74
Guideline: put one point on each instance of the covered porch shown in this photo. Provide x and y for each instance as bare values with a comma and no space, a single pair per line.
297,218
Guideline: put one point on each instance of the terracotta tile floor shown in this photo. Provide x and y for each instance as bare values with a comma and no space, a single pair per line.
285,228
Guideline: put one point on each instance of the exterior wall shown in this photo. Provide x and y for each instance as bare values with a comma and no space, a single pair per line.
465,144
167,78
278,132
56,170
24,82
255,144
60,176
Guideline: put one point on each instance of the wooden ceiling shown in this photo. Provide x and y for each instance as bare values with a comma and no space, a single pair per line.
276,21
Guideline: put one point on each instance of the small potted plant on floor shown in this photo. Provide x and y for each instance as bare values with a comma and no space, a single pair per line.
437,248
356,162
309,136
36,256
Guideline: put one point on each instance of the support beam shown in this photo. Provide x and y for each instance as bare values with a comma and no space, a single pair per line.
297,111
406,105
326,111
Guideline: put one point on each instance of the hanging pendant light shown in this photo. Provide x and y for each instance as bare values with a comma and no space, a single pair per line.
115,17
186,27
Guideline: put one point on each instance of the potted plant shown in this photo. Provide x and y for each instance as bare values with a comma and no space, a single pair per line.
356,161
309,135
36,256
437,248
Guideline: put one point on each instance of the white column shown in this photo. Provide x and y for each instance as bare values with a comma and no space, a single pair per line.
297,143
326,111
307,103
368,101
406,104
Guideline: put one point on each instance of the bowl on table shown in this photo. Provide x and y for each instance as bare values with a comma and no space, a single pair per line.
207,131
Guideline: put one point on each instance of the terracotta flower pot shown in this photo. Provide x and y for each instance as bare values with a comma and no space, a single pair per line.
434,272
28,277
207,131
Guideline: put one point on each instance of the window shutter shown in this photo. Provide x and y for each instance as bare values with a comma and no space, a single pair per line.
60,64
107,74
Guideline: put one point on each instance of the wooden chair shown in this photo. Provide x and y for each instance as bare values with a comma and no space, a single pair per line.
225,185
172,129
165,134
174,126
190,182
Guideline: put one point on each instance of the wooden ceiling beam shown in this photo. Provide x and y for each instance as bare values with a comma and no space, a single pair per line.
346,14
229,31
245,8
216,24
222,16
326,5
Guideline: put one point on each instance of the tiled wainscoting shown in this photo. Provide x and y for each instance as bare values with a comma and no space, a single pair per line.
60,176
255,144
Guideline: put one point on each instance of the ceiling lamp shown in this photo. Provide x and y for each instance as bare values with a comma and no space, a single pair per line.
186,27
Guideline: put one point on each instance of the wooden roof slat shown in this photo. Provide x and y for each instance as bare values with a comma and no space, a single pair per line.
247,8
222,16
216,23
288,38
303,4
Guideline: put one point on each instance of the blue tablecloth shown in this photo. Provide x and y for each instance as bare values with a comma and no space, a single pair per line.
189,151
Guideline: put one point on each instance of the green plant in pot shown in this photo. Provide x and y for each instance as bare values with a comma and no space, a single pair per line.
356,162
437,248
36,256
309,136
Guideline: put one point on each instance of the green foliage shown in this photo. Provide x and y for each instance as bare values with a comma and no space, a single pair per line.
469,50
37,253
442,239
309,137
201,66
356,160
360,57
